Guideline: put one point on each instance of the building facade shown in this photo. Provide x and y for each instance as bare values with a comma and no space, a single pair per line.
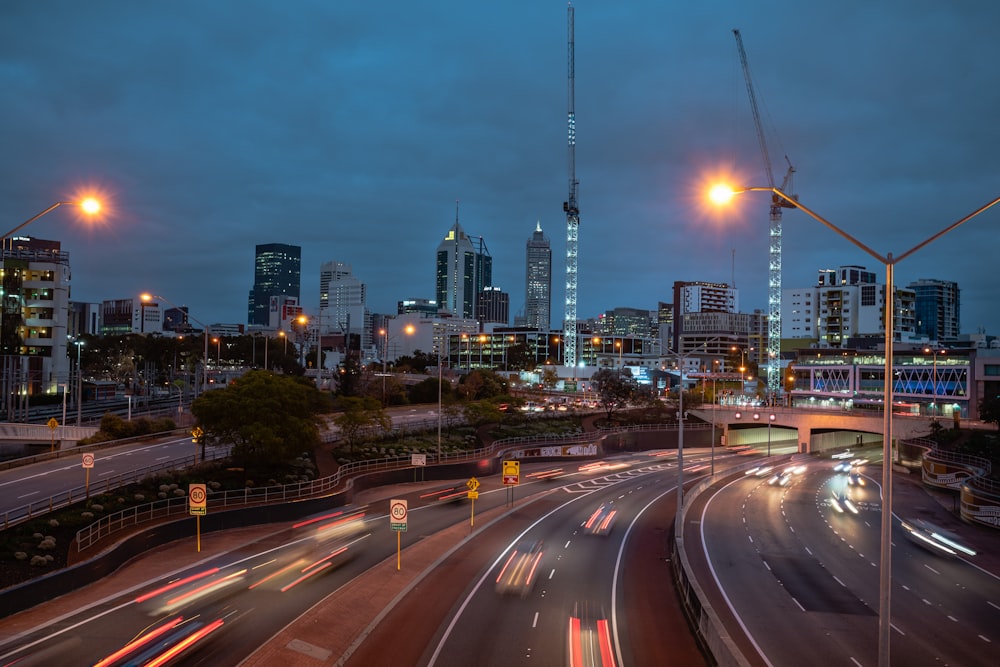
538,281
277,272
493,306
462,270
35,276
342,299
937,308
844,303
700,297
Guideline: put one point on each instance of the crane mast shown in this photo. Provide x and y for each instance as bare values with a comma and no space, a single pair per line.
572,211
774,237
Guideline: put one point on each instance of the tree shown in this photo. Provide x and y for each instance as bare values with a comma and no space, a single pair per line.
614,390
481,384
267,419
989,410
479,413
550,378
426,391
359,416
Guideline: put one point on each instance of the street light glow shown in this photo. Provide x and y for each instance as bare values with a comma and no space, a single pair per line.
721,194
90,206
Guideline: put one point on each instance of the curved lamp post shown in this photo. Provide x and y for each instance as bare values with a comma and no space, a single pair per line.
721,194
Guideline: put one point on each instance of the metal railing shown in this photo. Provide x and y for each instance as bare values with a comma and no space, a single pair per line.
33,510
113,523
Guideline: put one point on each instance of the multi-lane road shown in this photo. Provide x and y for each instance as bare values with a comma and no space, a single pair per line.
797,571
245,597
577,572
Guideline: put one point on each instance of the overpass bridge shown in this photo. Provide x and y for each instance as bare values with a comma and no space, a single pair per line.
807,430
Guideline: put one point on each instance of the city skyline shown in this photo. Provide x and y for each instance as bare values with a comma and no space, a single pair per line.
351,134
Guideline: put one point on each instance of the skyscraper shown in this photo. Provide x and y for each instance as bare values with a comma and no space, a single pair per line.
277,271
937,307
342,299
538,281
462,272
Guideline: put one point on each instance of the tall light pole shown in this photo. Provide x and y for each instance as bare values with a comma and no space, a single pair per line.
927,350
722,194
204,327
678,525
79,382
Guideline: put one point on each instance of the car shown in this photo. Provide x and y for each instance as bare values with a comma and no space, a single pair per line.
601,521
842,503
780,478
934,538
855,478
517,577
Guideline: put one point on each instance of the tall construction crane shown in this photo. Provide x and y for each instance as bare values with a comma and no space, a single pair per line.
774,258
572,216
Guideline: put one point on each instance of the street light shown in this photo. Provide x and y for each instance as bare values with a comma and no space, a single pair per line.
928,350
678,525
722,194
79,381
204,327
89,205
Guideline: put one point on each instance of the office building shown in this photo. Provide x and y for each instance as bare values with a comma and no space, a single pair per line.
277,272
342,299
35,274
538,281
493,306
463,270
937,309
700,297
844,303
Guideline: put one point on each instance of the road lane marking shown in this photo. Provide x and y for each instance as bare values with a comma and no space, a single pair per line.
992,605
534,622
952,618
27,494
897,629
986,639
105,474
931,569
552,573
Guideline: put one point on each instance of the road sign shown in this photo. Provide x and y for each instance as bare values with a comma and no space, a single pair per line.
198,499
473,484
397,514
511,472
418,459
473,495
53,424
88,460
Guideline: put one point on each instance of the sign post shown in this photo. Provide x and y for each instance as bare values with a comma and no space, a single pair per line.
418,461
198,506
88,463
473,486
397,522
53,425
511,477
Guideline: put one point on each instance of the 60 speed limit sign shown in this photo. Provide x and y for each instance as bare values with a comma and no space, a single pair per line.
397,514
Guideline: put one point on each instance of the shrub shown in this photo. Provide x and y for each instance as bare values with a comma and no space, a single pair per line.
97,508
54,523
37,561
87,515
20,555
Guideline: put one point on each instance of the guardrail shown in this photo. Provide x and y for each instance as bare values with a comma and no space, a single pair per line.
113,523
704,619
62,499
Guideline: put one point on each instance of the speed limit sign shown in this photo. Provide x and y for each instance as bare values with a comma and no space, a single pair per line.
397,515
198,499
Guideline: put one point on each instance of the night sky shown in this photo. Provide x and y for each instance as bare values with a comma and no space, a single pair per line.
351,129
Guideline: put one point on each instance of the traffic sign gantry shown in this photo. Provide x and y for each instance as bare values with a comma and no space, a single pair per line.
511,472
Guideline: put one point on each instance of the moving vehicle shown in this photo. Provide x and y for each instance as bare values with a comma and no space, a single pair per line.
601,521
518,574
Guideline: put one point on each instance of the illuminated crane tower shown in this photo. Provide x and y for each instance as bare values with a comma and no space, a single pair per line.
572,221
774,259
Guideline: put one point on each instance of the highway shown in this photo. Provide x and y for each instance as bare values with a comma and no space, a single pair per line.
263,596
800,577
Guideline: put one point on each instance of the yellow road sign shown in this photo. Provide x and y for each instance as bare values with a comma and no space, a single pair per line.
53,424
511,472
473,495
473,484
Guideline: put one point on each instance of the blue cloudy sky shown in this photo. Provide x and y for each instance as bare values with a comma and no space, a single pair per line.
351,128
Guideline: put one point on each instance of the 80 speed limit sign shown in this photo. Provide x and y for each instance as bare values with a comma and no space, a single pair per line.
397,514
